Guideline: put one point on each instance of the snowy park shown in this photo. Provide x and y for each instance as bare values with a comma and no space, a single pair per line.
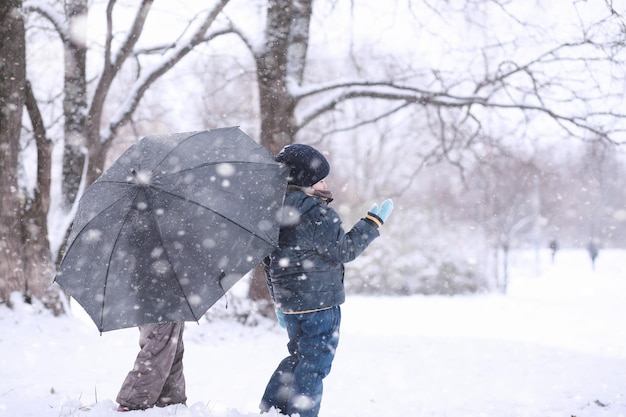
491,124
554,346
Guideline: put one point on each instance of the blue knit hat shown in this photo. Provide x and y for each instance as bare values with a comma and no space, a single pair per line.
308,166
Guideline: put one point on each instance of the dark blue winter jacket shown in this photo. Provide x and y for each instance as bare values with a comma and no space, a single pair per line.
306,271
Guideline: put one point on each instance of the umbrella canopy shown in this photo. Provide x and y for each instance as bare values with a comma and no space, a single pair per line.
171,226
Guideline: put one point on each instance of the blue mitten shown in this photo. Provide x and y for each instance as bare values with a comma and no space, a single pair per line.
281,319
384,211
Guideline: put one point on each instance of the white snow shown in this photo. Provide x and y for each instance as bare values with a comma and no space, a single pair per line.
555,346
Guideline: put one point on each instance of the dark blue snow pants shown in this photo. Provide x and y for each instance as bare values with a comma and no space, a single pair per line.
296,385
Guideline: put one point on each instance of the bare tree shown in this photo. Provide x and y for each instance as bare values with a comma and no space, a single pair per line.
507,207
74,38
26,262
12,85
87,136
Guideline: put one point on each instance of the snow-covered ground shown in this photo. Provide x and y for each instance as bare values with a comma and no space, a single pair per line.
555,346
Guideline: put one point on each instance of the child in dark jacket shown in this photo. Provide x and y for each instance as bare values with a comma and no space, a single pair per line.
305,278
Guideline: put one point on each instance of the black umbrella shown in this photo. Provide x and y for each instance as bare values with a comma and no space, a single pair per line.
171,226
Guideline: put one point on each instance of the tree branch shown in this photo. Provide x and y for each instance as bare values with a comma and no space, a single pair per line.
140,86
57,19
43,144
113,65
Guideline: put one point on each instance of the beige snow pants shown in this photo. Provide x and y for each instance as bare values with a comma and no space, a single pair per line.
157,377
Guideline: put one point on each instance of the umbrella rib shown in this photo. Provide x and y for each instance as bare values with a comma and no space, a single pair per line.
176,146
216,212
234,162
111,256
198,166
94,217
169,260
106,279
210,163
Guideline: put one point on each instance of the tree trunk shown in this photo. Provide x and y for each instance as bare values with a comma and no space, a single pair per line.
275,103
38,259
12,83
283,56
74,104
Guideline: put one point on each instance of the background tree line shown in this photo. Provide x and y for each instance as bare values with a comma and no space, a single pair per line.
456,238
445,106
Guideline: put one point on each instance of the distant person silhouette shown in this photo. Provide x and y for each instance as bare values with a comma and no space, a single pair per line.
554,246
593,253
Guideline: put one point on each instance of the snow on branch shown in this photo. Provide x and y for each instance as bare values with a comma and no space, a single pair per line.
253,46
574,124
381,90
55,17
